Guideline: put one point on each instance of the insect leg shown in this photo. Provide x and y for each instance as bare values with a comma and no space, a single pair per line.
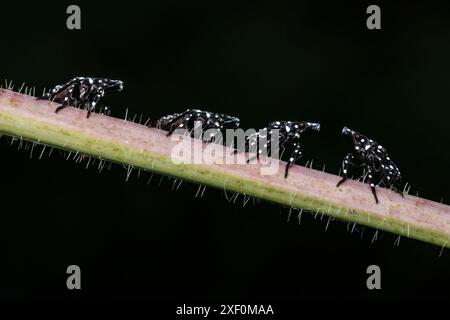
372,184
348,160
91,105
252,145
68,98
296,154
396,185
257,142
172,123
63,105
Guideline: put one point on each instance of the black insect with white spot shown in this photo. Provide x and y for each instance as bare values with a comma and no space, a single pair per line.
375,161
289,133
188,119
82,91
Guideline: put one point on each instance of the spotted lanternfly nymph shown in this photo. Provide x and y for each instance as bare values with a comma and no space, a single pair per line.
187,120
289,133
82,91
374,159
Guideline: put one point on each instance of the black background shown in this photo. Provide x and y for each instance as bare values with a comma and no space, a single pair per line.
261,61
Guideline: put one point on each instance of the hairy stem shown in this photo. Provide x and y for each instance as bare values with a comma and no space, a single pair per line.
141,147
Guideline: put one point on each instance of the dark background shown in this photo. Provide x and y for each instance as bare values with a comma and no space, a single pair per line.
261,61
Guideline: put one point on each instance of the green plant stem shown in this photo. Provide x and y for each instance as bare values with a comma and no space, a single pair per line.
141,147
